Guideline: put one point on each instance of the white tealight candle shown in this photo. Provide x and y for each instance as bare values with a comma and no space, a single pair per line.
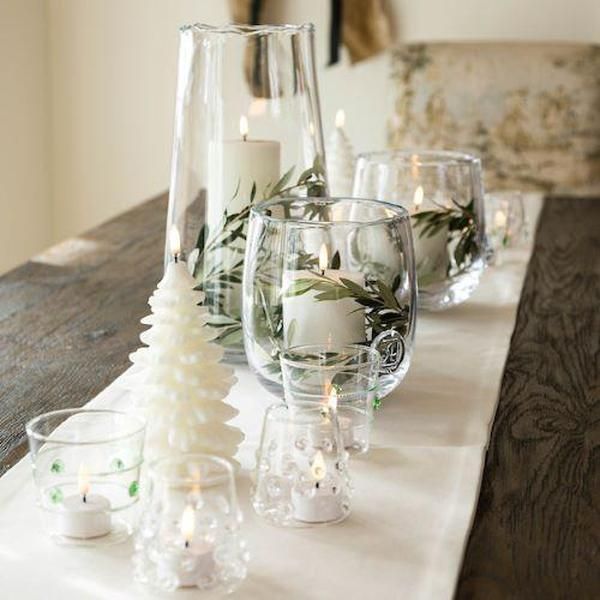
193,561
321,504
84,515
431,252
307,320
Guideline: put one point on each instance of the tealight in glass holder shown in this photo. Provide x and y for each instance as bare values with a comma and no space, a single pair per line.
344,378
301,477
189,533
506,226
443,193
86,469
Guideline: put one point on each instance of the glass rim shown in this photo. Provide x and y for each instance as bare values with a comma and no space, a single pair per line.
260,210
249,30
374,355
33,423
226,475
424,158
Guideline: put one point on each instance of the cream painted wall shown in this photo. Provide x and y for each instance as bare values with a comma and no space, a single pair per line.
25,209
112,65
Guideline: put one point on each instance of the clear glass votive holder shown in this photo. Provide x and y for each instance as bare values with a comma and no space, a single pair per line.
301,477
344,377
189,533
86,469
506,226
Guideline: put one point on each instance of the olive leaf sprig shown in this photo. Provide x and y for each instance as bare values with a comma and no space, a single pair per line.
461,224
230,234
383,311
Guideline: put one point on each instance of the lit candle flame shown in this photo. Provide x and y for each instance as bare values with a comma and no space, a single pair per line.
174,241
195,491
418,198
83,481
188,524
244,127
323,258
340,118
500,219
318,468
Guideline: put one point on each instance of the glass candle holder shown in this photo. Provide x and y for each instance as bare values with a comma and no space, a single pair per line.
247,128
444,195
189,533
344,377
331,271
505,222
86,468
301,477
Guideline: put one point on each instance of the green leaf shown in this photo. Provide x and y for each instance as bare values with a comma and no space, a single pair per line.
300,286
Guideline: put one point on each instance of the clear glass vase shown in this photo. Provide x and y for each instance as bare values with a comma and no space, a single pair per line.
443,193
329,271
247,129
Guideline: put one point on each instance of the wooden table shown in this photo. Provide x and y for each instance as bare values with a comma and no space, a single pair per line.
69,318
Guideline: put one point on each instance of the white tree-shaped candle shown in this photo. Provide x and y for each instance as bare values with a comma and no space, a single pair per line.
180,384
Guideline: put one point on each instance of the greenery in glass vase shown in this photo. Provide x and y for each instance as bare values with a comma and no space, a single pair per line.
461,224
220,279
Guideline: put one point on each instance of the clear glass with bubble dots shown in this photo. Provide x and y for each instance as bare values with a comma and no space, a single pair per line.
301,477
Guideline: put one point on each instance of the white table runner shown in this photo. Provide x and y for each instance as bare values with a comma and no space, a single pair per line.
415,492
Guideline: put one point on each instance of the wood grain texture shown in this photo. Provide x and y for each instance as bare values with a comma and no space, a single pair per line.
536,532
70,317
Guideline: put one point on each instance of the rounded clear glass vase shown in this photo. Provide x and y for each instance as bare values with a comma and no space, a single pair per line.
443,193
247,129
330,272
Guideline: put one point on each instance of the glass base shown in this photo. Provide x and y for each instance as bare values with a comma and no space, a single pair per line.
452,291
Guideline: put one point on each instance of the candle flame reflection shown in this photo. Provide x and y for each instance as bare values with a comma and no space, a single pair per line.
318,468
340,118
83,481
500,219
188,524
333,399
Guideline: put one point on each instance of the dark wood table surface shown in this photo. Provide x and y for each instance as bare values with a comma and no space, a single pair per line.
69,318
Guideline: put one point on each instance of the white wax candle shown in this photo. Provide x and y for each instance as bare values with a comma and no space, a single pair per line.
84,517
431,252
322,506
243,162
190,564
340,159
310,321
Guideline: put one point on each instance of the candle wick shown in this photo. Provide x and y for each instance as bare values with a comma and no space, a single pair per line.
244,137
176,257
317,484
187,543
84,497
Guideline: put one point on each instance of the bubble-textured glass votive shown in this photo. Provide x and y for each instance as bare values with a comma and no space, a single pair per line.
189,533
443,193
346,376
301,477
505,222
86,469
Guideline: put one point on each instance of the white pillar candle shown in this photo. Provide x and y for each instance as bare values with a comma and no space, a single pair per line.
193,561
84,515
307,320
235,166
322,503
431,252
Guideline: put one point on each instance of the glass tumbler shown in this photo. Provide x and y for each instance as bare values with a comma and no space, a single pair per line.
189,533
301,477
331,271
247,128
443,193
86,469
345,377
